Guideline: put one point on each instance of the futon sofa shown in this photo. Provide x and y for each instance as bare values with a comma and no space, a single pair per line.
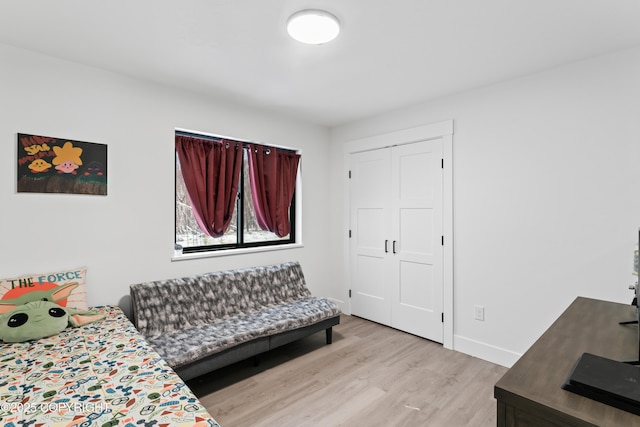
203,322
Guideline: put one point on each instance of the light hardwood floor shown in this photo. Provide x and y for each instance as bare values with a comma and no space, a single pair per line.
370,376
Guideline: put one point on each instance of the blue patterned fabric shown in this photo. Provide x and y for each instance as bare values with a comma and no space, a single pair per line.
189,318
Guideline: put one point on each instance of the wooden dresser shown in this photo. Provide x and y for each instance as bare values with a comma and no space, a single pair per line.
530,393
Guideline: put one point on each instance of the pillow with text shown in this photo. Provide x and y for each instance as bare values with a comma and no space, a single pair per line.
66,288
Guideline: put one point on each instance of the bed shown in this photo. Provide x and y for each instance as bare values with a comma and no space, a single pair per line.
101,374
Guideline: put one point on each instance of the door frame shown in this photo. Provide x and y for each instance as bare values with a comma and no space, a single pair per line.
443,130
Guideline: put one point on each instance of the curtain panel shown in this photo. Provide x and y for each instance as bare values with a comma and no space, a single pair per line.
272,174
211,172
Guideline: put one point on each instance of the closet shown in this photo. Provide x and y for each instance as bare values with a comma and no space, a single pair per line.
396,243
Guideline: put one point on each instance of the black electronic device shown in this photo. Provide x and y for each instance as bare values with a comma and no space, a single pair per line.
608,381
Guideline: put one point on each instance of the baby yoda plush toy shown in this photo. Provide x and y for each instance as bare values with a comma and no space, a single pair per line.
32,320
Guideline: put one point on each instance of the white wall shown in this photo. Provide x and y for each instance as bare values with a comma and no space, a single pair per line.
546,175
127,236
546,201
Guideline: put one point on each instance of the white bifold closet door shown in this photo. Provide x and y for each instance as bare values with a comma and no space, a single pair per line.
396,252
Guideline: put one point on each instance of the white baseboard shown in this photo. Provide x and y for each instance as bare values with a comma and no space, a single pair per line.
490,353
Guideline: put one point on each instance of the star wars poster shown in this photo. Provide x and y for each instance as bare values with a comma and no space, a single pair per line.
58,165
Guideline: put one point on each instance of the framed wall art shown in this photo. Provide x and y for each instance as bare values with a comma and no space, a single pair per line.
58,165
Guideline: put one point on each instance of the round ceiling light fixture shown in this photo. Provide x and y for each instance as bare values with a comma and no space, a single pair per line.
313,26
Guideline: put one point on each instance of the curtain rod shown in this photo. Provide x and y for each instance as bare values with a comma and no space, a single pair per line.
201,136
245,144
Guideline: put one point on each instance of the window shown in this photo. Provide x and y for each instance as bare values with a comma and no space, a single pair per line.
243,230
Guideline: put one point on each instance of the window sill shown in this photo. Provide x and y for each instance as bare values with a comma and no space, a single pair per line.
227,252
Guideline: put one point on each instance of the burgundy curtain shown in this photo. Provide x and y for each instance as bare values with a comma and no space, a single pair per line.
211,172
273,181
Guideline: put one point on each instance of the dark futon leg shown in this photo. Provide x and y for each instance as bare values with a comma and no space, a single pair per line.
329,332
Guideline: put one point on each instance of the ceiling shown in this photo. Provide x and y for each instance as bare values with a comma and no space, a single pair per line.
389,55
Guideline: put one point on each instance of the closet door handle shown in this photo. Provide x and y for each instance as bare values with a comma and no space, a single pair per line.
394,246
386,246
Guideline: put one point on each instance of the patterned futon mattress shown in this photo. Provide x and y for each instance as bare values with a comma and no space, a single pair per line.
101,374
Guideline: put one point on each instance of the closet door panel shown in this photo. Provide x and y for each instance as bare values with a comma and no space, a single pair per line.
370,228
417,302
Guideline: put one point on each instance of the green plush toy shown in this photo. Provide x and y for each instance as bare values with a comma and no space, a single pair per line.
31,320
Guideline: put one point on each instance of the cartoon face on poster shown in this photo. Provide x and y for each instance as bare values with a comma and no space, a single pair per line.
57,165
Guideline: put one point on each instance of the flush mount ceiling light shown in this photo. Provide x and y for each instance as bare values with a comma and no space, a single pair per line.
313,26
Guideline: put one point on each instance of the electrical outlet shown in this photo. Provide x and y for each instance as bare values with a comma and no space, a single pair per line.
479,312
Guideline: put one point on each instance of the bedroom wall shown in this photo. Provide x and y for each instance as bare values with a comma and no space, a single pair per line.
546,202
127,236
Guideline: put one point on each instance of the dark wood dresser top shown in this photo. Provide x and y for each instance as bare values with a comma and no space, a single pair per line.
533,385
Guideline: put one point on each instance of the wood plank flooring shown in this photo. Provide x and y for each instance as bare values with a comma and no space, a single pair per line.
370,376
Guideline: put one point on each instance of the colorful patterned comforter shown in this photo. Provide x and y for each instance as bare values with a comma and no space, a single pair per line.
102,374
